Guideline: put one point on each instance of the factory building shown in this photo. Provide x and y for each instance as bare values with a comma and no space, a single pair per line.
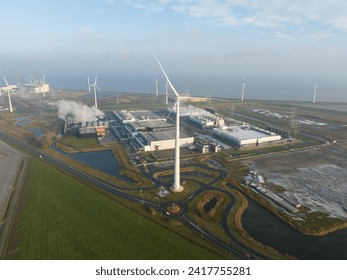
127,117
36,88
124,117
191,111
200,117
246,135
161,140
87,132
207,121
95,129
150,125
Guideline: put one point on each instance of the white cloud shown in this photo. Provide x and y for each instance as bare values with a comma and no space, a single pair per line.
257,13
281,35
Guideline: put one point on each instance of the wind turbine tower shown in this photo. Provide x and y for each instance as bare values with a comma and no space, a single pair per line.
166,93
95,86
315,92
8,88
176,185
156,88
243,89
41,83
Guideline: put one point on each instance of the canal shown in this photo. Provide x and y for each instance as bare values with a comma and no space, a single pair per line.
265,227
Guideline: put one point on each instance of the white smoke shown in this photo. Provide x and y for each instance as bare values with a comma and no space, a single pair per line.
75,112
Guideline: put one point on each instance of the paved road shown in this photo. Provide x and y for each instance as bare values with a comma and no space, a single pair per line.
242,250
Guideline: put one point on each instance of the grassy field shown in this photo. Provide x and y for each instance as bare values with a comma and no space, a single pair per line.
79,143
60,218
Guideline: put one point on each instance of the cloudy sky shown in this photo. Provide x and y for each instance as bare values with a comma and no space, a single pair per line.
206,46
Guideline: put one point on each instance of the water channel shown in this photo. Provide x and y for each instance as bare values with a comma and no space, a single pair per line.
265,227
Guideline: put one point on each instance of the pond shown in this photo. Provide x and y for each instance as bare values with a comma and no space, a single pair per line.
265,227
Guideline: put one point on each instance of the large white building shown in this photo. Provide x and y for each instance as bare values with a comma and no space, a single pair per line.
200,116
246,135
126,117
36,88
207,121
162,140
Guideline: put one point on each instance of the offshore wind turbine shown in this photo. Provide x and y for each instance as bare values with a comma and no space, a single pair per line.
315,93
8,88
176,187
95,86
243,88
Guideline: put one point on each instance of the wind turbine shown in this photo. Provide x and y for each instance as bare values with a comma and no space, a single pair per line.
156,88
315,92
176,185
166,94
42,82
243,88
8,88
95,86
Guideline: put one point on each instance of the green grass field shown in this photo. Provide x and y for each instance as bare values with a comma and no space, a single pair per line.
79,143
60,218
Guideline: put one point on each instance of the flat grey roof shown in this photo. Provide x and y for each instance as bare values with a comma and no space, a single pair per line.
244,134
163,135
151,124
87,130
144,114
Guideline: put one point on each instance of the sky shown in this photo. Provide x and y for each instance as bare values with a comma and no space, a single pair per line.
281,47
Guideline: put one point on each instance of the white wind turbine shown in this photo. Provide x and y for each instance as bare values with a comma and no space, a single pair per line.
41,83
166,93
177,184
243,88
156,88
315,92
95,86
8,89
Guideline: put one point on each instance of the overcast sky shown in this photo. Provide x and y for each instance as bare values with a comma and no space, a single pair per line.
206,46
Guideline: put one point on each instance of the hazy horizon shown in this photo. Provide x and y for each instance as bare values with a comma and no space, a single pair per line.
206,47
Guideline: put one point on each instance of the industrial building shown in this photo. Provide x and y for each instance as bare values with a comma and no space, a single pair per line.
126,117
207,121
246,135
150,125
96,129
200,117
161,140
35,88
191,111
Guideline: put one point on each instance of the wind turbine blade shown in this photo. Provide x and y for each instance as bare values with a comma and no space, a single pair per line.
96,79
97,87
43,78
5,80
167,78
88,85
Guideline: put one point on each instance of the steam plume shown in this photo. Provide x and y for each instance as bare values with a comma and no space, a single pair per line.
75,112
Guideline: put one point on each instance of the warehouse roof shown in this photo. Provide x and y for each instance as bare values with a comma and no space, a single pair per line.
242,133
163,135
